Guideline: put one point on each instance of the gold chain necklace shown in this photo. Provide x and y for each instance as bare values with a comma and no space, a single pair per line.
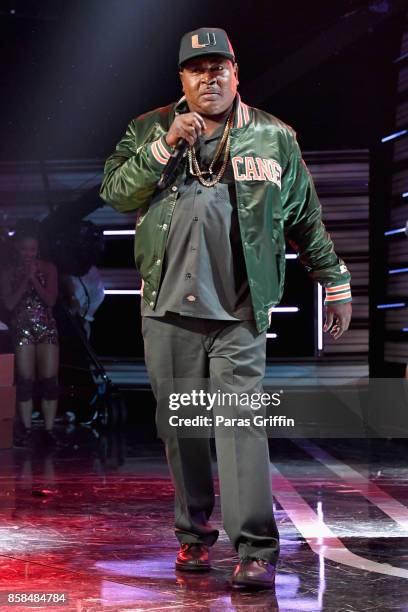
224,143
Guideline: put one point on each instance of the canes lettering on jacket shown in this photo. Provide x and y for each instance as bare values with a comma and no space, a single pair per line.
257,169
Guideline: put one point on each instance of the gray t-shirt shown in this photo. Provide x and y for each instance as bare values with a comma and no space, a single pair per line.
204,273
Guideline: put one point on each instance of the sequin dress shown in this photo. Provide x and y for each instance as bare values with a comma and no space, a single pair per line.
32,320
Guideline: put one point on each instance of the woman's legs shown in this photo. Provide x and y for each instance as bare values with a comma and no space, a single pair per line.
47,365
25,371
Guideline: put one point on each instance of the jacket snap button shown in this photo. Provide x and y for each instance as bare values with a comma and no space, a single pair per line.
174,188
153,293
151,304
158,262
164,226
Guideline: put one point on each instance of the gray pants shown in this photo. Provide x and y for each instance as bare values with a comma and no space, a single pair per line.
228,353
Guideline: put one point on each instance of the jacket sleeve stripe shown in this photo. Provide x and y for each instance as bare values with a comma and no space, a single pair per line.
156,153
344,287
163,149
340,296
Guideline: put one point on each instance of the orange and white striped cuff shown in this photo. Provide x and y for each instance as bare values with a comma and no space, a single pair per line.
338,293
160,150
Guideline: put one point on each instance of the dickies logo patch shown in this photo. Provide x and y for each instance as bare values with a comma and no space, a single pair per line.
257,169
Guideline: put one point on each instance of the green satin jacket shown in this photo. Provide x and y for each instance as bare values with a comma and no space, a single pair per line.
276,200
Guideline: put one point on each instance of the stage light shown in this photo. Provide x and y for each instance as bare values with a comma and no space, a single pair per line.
394,305
125,232
122,291
285,309
397,270
394,135
401,58
400,230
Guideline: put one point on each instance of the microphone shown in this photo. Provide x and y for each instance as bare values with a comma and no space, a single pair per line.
172,164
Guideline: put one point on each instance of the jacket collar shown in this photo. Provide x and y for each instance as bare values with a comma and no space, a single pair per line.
242,111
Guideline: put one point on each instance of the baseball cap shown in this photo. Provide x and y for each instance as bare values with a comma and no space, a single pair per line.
205,41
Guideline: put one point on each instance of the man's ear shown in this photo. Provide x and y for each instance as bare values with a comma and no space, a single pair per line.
181,79
236,72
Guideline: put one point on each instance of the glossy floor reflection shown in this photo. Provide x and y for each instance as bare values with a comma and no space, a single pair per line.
94,520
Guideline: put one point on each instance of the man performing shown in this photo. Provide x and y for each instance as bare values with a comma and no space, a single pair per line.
210,248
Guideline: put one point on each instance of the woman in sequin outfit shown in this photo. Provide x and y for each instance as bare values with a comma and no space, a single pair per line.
29,290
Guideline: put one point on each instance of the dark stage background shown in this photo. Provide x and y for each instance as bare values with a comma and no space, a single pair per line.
74,73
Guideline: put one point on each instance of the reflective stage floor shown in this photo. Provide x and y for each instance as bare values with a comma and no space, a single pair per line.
94,520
